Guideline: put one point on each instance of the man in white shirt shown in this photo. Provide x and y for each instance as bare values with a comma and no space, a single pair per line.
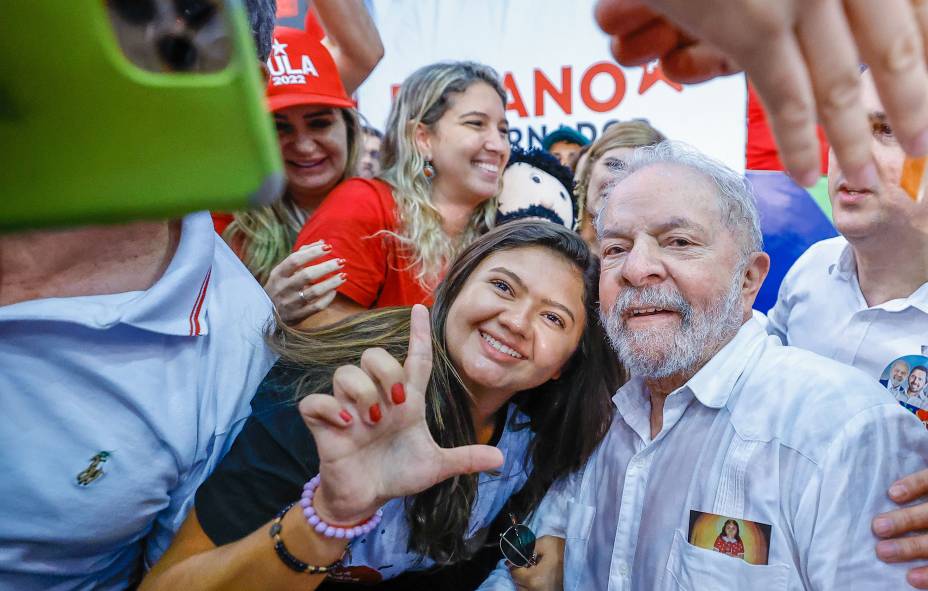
129,355
862,298
719,418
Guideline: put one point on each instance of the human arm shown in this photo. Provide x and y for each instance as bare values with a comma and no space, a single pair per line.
363,462
352,39
905,530
340,307
802,57
297,288
193,562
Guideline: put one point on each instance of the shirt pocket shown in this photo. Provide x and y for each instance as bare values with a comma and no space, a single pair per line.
577,535
696,569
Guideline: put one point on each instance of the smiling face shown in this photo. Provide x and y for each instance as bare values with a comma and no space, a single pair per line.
468,146
525,187
673,287
314,144
899,372
512,328
877,211
917,380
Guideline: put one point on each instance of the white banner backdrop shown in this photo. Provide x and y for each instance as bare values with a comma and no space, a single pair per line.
557,69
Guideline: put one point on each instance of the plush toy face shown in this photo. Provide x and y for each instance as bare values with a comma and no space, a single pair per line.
529,192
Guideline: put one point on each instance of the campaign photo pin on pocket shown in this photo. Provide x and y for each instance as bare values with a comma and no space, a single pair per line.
906,380
735,537
118,110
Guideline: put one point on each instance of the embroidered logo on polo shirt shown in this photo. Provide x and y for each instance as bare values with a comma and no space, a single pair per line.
94,471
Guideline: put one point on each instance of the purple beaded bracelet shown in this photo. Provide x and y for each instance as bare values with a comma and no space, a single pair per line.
330,531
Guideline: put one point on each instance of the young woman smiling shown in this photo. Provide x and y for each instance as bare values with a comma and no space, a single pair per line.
319,136
510,362
444,150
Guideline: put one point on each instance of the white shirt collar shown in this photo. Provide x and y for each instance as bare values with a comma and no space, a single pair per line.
845,267
175,305
712,385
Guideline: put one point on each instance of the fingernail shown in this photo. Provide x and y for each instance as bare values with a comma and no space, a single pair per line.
887,549
341,262
917,578
865,176
398,394
898,491
345,415
375,414
919,145
326,247
343,276
882,526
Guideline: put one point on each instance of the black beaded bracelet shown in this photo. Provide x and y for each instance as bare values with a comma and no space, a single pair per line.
292,562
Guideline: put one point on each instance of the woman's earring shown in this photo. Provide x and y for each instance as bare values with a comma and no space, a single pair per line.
428,170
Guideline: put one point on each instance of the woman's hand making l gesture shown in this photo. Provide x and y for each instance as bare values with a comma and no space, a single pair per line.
372,437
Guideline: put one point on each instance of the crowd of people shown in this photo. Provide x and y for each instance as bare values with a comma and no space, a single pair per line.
433,337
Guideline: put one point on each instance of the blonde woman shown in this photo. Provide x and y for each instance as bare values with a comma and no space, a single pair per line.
443,154
607,154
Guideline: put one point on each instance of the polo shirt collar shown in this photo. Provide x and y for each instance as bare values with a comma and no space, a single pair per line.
175,305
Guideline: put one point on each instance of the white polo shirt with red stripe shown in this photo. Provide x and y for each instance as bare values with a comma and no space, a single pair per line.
113,410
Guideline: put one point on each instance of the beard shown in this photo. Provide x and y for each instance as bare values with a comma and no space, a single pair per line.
662,352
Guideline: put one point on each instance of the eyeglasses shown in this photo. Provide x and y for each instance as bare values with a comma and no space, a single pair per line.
518,544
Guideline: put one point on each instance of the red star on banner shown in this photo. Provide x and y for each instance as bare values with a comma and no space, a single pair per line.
651,74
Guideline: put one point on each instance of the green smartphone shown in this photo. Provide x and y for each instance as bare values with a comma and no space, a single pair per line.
115,110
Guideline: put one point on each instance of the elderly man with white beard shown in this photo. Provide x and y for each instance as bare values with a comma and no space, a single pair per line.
719,421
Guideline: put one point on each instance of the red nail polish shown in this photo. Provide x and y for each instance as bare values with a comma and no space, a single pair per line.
341,262
343,276
345,415
326,247
398,394
375,414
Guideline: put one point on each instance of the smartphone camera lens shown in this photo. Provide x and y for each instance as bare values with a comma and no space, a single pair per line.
197,13
177,52
136,12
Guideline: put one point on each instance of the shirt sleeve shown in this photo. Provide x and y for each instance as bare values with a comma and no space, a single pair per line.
876,447
352,220
499,579
263,472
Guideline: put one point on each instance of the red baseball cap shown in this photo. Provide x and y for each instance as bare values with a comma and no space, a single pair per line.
302,72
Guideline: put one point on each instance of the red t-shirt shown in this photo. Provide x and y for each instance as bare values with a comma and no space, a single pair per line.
733,548
221,221
349,220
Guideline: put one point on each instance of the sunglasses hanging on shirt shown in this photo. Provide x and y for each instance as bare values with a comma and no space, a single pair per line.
518,544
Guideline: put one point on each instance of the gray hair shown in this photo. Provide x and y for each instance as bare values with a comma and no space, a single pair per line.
735,195
261,18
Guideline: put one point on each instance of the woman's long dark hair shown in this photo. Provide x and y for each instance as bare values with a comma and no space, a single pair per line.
569,416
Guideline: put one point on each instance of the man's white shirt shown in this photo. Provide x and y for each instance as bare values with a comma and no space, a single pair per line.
763,432
820,308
